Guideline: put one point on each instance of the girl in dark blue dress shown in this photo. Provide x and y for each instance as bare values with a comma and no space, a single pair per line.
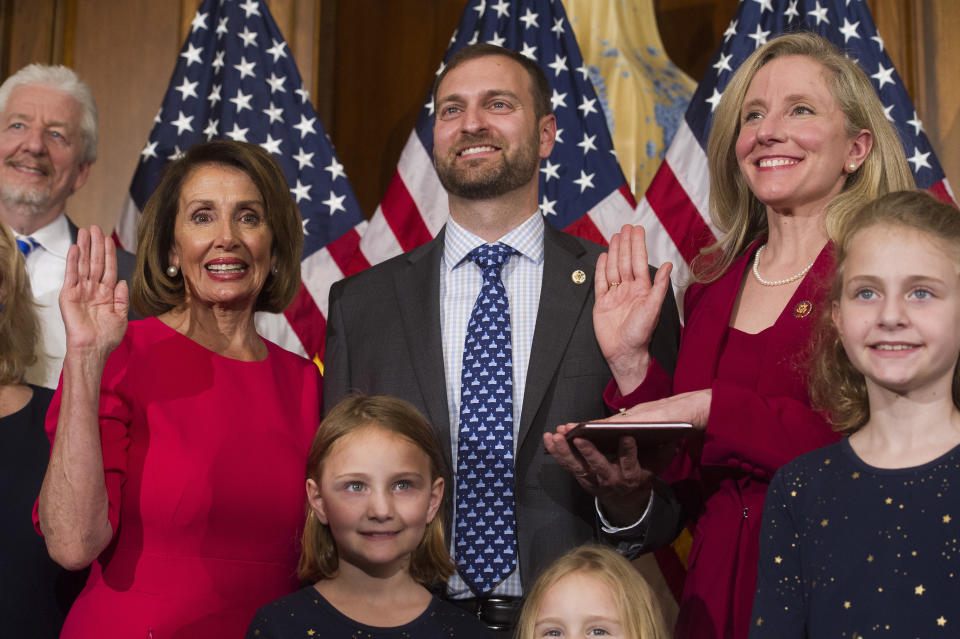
860,539
373,541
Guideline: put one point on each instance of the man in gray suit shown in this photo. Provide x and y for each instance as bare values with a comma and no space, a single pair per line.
48,142
399,328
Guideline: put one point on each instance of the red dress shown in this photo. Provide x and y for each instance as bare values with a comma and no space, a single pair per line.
760,418
204,459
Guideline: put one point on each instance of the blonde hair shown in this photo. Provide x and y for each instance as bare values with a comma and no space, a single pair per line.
430,562
639,611
734,209
19,326
836,386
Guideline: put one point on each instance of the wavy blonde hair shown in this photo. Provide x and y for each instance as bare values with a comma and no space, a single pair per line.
19,326
836,386
735,211
639,610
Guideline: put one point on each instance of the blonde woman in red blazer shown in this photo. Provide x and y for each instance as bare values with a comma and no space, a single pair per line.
799,141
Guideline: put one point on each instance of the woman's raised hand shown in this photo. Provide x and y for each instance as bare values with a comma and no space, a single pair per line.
627,305
93,303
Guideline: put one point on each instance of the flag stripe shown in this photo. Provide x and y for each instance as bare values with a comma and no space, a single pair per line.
303,315
398,210
678,216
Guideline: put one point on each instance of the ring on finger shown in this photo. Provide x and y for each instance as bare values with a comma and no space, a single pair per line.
581,474
612,284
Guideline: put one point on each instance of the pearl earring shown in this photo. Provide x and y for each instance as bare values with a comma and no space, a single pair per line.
852,167
275,270
172,270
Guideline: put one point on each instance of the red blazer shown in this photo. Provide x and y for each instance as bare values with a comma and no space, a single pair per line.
721,479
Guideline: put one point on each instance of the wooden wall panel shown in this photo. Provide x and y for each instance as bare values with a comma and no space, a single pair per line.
128,66
28,32
937,91
385,57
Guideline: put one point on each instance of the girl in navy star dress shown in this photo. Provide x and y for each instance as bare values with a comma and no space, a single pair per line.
859,539
373,540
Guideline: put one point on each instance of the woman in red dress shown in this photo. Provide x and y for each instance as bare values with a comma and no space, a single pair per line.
179,441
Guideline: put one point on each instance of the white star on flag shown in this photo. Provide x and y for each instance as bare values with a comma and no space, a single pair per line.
305,126
550,170
919,160
883,76
335,203
559,64
819,13
187,89
192,55
303,159
335,169
529,19
183,123
301,191
585,181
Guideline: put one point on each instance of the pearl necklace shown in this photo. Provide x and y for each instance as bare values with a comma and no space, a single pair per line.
792,278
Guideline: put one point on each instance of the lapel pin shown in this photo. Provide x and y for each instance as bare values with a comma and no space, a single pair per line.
578,277
802,309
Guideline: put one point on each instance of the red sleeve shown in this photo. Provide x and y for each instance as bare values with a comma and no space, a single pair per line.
759,434
656,385
115,416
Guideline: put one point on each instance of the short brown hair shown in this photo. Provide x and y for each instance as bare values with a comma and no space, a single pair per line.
430,563
836,386
153,291
735,210
19,326
639,610
539,85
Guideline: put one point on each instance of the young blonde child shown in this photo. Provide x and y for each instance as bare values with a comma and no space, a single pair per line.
860,538
591,591
373,542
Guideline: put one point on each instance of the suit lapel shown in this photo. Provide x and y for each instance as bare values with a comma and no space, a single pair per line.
562,304
73,231
417,287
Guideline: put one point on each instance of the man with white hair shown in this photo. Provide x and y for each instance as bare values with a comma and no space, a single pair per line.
48,142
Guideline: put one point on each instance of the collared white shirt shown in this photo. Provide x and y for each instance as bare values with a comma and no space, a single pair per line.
460,283
46,265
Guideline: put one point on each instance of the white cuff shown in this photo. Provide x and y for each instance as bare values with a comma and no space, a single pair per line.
610,529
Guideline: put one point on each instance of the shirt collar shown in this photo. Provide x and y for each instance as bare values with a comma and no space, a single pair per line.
526,239
54,237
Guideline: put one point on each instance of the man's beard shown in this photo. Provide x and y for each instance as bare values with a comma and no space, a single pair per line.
473,183
33,198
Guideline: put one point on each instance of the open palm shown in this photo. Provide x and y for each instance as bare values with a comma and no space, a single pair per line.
93,304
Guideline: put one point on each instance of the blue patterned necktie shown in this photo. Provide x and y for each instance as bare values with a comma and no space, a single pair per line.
26,245
486,538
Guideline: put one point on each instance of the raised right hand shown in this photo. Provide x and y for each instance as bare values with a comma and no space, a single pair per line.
627,306
93,303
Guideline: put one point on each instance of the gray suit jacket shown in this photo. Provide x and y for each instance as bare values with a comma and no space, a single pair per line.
383,337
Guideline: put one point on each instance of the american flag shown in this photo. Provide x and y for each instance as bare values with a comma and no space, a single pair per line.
235,78
674,209
582,188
